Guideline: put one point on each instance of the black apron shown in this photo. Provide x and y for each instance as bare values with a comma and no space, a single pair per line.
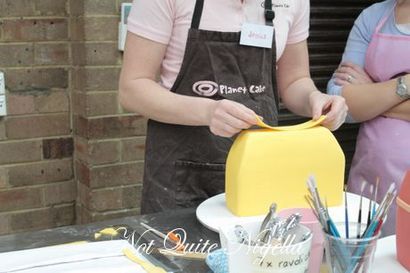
184,165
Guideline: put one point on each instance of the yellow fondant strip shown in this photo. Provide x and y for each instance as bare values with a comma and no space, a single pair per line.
106,231
302,126
403,204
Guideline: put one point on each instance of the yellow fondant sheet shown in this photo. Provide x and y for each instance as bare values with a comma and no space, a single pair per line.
273,164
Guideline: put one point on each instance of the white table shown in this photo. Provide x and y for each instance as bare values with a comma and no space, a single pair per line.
385,257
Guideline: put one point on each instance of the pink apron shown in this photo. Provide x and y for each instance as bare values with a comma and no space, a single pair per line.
383,144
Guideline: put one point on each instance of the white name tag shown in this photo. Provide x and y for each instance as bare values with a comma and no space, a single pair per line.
256,35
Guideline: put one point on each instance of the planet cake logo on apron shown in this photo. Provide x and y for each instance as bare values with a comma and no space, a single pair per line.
277,5
210,88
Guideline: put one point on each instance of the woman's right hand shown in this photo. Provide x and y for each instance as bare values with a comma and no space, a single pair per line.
226,118
350,73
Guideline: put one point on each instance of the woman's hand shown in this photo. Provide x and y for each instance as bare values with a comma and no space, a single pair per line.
334,107
350,73
227,118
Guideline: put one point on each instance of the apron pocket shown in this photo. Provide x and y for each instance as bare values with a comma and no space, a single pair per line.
195,182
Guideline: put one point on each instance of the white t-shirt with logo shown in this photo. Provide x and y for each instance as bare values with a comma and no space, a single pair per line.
168,21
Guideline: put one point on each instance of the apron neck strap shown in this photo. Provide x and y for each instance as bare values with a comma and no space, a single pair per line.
385,18
199,6
269,13
196,17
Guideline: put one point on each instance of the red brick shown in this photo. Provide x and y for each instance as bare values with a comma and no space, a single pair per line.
41,172
115,198
93,7
75,8
96,78
100,7
106,199
99,104
14,8
38,126
50,7
4,178
51,54
57,148
79,103
83,195
116,175
82,172
36,79
60,193
83,215
20,103
131,197
95,104
95,28
25,30
17,152
4,224
101,53
81,149
97,152
110,127
3,134
53,102
57,216
16,199
16,54
133,149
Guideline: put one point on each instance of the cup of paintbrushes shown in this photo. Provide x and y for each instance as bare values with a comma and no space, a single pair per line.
350,255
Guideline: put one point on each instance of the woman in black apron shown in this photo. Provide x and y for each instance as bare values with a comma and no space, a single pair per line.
227,83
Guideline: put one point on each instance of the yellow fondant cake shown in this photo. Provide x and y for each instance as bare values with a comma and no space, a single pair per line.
273,164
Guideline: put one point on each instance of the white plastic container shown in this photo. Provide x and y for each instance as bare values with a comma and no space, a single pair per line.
273,259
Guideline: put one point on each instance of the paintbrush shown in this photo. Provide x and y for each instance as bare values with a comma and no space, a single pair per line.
381,211
346,215
318,205
369,214
311,183
375,226
359,218
170,236
312,206
375,197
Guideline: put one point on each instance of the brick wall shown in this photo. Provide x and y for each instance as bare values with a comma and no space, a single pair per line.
68,152
109,142
37,186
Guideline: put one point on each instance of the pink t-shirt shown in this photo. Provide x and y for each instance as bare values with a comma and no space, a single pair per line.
168,21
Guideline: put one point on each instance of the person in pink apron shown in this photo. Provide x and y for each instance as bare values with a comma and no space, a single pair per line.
374,80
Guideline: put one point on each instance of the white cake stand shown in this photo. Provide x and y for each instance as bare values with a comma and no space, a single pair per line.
213,213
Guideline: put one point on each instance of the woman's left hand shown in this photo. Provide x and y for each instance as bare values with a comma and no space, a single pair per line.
334,107
350,73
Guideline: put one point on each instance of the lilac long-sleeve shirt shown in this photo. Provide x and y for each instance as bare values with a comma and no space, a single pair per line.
361,35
